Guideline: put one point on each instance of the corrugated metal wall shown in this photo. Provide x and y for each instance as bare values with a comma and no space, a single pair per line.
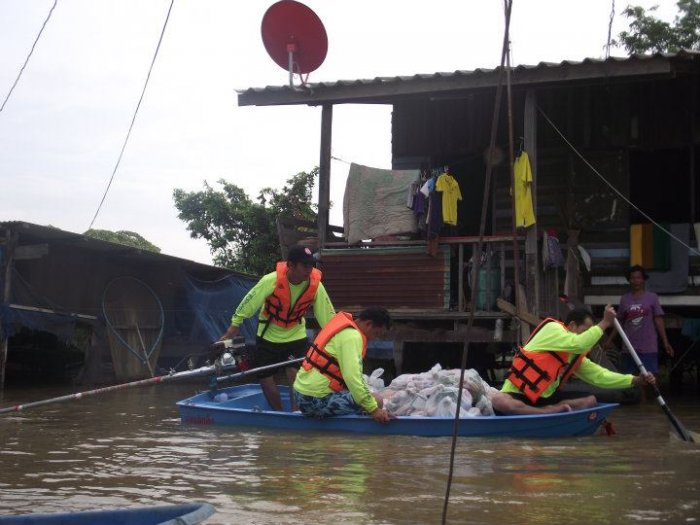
404,277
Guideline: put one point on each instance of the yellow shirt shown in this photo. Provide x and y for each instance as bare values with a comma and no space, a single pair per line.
555,337
524,213
346,347
451,193
255,298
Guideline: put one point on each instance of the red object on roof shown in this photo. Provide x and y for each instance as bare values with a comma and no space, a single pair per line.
290,26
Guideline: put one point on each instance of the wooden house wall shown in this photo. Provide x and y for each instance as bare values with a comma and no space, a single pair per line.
643,137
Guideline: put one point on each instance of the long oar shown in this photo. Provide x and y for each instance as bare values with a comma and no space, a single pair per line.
205,370
680,429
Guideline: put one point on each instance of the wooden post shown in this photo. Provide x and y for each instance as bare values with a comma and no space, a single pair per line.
532,270
324,176
10,242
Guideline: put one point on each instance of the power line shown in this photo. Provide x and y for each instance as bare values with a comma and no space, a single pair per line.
133,119
28,56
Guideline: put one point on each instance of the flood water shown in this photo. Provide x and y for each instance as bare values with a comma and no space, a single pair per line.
128,448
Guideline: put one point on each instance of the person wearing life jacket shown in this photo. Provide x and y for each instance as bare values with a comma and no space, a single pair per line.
282,298
329,382
554,352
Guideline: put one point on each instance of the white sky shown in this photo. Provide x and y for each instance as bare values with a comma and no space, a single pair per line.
63,127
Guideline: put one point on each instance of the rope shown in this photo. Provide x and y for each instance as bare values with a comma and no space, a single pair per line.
507,5
133,118
28,56
610,185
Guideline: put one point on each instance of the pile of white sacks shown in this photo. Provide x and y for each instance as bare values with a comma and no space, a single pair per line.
433,393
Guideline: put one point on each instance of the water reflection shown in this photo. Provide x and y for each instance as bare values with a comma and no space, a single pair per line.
128,448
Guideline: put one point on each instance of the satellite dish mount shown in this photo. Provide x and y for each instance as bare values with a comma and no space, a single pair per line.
295,38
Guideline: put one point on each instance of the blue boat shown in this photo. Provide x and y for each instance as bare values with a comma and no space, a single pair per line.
245,406
187,514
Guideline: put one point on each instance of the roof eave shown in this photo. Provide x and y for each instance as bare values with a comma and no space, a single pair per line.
389,90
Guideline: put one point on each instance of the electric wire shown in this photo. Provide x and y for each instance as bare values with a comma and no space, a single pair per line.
19,75
133,119
612,187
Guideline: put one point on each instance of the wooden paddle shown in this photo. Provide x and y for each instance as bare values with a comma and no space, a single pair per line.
682,433
205,370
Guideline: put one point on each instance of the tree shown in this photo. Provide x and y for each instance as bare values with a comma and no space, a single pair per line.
241,232
124,237
648,33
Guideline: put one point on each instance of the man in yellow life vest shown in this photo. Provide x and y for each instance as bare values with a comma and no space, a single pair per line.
283,297
329,382
554,352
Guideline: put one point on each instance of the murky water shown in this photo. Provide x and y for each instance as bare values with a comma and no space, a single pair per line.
128,448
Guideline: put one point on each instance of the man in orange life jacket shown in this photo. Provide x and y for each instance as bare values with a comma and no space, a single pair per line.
283,298
554,352
329,382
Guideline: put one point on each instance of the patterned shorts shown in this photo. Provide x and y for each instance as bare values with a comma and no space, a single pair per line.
335,404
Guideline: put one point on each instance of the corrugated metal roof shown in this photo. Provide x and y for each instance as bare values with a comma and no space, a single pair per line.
389,89
30,233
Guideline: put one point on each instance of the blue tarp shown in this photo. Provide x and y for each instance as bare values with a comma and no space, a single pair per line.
212,304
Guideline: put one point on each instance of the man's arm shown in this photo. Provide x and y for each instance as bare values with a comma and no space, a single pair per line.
349,356
596,375
661,329
323,308
250,304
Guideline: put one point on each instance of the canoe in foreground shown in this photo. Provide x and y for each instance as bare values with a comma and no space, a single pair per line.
245,406
187,514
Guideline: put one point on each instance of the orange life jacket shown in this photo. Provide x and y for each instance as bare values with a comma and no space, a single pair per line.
533,372
278,307
318,358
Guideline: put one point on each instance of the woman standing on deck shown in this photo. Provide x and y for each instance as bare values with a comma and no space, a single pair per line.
641,316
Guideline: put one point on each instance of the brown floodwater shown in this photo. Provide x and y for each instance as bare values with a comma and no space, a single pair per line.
128,448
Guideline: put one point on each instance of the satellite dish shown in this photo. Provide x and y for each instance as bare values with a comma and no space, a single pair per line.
295,38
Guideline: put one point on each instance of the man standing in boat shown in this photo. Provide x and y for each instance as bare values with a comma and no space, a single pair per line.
329,382
283,297
554,352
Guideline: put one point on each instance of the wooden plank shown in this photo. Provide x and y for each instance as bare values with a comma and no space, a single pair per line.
510,309
324,176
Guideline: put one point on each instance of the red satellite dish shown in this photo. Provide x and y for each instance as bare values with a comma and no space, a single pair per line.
294,37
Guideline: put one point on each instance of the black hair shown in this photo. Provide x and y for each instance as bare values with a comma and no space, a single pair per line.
636,268
377,315
578,316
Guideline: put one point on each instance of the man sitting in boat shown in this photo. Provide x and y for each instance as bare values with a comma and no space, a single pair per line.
554,352
329,382
283,298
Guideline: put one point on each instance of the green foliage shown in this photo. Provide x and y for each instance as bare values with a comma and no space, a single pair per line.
648,33
241,232
124,237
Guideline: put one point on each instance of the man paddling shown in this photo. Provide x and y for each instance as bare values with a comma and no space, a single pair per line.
554,352
283,298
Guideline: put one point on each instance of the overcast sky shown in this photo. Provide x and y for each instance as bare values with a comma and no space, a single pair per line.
63,127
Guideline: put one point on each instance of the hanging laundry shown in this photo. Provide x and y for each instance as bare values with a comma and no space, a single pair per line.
522,173
449,187
374,204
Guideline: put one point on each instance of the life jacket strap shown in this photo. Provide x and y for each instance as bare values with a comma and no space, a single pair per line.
325,368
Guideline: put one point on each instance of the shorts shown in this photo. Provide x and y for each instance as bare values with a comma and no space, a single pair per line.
267,353
557,396
650,362
335,404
